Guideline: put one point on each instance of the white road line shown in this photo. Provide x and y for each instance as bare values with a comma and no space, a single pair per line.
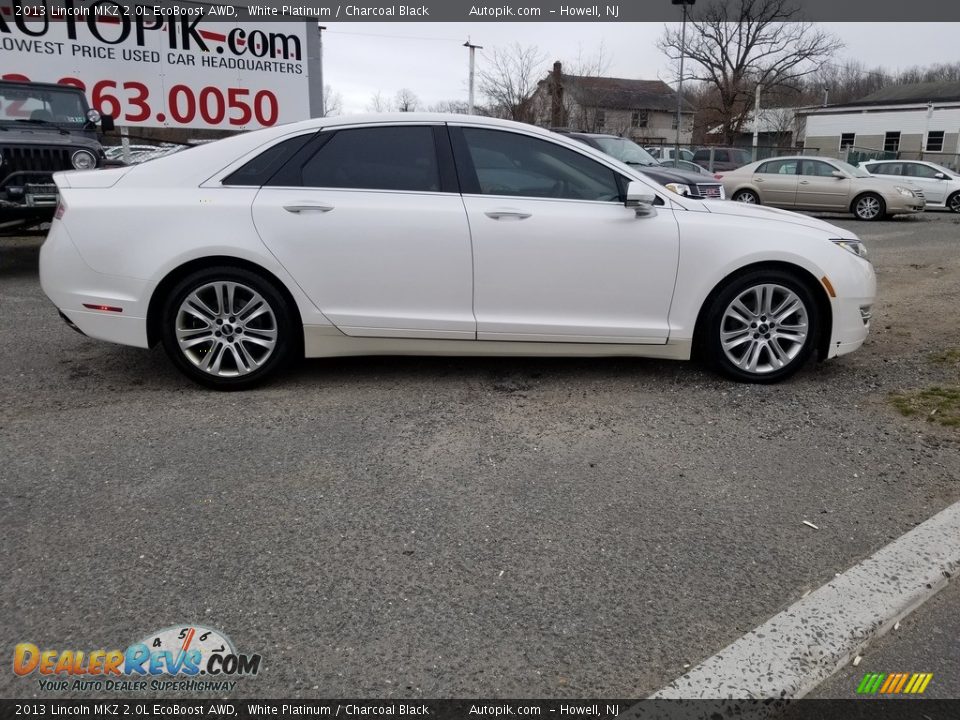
796,650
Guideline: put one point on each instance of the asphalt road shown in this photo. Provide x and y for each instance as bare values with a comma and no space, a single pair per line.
404,527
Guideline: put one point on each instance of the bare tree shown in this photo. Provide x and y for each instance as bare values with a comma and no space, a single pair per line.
406,100
332,102
734,45
509,80
378,103
460,107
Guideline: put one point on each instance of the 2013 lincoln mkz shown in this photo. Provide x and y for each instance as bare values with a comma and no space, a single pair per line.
439,235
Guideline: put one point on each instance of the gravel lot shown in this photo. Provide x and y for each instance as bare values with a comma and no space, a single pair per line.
404,527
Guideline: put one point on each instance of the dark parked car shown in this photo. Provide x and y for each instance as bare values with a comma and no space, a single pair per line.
721,159
627,151
43,129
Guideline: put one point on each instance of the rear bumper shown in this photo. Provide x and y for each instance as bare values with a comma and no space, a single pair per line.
74,287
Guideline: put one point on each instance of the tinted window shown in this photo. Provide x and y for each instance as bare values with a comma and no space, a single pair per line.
387,158
817,168
511,164
779,167
259,170
922,171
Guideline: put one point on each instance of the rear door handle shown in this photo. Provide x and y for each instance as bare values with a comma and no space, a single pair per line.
307,207
804,182
507,214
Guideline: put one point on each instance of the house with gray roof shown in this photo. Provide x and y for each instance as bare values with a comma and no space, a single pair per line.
915,121
643,110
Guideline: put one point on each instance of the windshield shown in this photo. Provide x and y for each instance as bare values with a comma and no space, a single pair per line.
625,151
850,169
26,103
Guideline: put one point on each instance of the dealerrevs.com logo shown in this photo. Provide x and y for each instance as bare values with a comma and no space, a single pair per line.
182,657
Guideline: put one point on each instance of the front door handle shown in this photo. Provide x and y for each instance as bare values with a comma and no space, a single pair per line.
307,207
804,182
507,214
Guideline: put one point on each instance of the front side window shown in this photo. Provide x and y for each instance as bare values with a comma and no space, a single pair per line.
921,171
508,163
817,168
376,158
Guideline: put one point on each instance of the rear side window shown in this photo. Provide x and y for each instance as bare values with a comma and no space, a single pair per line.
387,158
779,167
887,169
257,172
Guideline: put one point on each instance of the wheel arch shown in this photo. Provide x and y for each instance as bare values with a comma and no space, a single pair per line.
824,307
853,203
154,309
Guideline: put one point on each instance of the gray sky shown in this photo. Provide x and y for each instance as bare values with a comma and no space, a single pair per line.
428,58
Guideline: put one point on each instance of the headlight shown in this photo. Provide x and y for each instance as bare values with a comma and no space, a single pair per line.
854,246
83,160
678,188
906,192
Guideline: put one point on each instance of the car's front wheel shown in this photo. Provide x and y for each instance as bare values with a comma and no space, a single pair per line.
953,202
869,206
762,327
747,196
227,328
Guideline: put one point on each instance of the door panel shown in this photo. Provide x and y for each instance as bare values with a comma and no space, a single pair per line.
776,181
819,189
369,235
571,271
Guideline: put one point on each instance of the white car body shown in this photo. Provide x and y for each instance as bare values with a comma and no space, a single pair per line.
940,185
430,272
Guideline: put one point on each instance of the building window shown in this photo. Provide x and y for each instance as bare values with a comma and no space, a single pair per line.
638,119
891,142
601,119
935,141
847,140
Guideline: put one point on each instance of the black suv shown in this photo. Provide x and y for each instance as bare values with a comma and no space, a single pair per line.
628,152
43,129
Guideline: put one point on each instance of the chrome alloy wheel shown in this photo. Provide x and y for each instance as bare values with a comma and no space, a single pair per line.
868,207
226,329
764,328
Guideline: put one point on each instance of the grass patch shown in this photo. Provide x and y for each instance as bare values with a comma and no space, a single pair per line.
949,357
937,404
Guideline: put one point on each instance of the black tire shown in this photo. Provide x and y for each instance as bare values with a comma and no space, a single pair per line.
746,196
953,202
245,361
868,206
767,370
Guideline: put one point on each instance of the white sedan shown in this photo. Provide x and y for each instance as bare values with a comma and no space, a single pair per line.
439,235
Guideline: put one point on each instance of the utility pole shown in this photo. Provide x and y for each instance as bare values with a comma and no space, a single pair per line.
473,49
756,122
323,99
683,46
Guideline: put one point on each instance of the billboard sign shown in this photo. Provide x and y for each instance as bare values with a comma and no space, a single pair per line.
184,66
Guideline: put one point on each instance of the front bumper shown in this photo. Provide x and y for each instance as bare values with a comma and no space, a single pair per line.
852,308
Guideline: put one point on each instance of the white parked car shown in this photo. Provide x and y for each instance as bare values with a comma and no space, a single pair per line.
668,153
940,185
439,235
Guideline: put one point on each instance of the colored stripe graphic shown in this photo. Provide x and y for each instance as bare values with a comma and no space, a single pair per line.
894,683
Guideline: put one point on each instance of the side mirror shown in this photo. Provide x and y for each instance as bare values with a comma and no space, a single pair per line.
940,176
106,123
641,199
839,175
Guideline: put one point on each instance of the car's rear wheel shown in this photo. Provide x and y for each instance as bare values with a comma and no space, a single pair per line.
762,327
953,202
746,196
227,328
869,206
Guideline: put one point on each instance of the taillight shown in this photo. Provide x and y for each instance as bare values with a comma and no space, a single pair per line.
61,208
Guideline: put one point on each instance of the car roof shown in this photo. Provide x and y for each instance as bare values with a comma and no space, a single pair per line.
42,85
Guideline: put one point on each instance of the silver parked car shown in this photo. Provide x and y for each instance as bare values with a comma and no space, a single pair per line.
940,185
821,184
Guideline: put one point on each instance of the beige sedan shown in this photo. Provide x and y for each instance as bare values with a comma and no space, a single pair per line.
821,184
